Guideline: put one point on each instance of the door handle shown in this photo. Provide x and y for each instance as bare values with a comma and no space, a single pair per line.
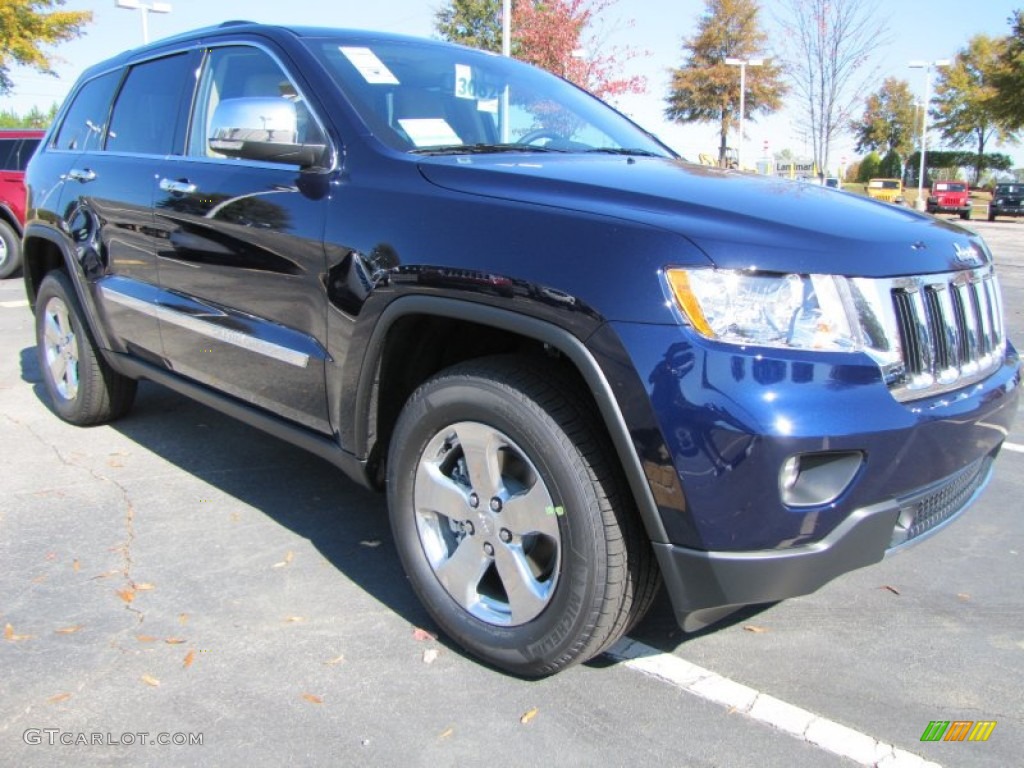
82,174
178,187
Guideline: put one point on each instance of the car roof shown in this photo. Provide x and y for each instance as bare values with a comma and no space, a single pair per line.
22,133
229,28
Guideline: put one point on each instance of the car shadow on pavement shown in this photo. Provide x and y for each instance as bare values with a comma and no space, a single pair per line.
346,523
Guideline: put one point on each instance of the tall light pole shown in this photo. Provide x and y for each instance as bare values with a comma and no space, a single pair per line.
919,204
742,64
135,5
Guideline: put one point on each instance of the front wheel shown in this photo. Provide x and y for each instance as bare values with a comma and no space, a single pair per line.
83,388
512,520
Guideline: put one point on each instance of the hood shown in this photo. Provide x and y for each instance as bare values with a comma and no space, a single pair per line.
738,220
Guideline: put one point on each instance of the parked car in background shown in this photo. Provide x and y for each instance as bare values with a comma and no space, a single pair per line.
1007,200
578,364
886,190
16,148
950,197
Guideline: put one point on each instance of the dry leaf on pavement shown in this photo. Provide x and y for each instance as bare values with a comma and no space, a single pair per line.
68,630
312,699
150,680
528,715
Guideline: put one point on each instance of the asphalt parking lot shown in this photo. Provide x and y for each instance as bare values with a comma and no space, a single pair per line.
180,575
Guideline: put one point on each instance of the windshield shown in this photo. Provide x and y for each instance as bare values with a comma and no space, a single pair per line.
1009,189
884,184
427,98
946,186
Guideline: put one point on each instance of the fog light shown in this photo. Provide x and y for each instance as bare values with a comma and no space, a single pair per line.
814,479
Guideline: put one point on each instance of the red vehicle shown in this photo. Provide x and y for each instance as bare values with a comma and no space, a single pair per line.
16,149
950,197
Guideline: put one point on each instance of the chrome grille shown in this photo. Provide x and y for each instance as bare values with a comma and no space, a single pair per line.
950,331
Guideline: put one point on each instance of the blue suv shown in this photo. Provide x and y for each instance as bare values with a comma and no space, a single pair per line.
579,365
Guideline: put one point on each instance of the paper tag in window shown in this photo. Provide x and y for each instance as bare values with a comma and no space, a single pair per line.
430,132
487,105
373,70
464,87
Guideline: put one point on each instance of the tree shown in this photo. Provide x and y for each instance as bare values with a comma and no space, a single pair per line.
476,23
829,44
889,120
562,36
869,168
966,98
704,89
1008,80
27,27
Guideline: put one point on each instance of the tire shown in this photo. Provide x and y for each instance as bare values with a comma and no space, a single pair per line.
965,215
10,250
991,217
83,388
512,519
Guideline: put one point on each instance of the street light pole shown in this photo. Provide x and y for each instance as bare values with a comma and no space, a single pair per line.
920,203
742,64
136,5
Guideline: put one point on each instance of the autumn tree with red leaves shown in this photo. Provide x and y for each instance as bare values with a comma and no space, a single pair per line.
565,37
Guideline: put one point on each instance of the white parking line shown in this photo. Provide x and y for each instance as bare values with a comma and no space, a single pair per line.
14,304
800,723
1014,447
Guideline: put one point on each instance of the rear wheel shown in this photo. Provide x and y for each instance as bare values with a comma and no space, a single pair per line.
84,389
10,250
512,520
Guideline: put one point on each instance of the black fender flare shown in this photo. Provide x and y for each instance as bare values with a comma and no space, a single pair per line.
556,337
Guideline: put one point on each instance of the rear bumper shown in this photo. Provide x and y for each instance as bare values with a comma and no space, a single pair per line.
704,586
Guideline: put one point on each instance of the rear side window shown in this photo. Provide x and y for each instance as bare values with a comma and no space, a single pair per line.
146,113
85,123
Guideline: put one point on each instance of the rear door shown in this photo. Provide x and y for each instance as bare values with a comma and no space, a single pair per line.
108,195
241,252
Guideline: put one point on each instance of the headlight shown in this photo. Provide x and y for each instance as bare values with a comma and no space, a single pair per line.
822,312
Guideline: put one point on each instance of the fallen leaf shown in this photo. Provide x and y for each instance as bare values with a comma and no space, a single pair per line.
422,634
430,655
51,556
145,638
189,658
58,698
891,589
10,635
76,565
127,595
335,661
312,699
149,680
68,630
235,517
106,575
371,543
144,587
528,715
183,618
294,619
963,597
287,560
755,629
115,463
39,579
446,733
175,641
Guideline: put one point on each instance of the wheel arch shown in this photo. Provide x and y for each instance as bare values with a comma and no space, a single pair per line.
396,363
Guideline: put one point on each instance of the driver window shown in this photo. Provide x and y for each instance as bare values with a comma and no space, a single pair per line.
242,71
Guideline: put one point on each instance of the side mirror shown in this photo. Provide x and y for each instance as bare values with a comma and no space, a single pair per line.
264,129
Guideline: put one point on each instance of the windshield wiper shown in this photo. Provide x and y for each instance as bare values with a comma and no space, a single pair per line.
481,149
624,151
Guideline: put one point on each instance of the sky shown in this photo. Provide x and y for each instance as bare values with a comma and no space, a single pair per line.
916,30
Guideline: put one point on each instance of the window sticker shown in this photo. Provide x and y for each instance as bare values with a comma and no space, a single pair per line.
430,132
464,86
373,70
487,105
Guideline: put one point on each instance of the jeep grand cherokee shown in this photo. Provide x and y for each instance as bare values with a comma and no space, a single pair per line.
577,363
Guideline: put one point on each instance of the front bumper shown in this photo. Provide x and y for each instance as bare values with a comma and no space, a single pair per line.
707,585
723,422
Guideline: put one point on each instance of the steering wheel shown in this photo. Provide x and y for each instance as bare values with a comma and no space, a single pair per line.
540,133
